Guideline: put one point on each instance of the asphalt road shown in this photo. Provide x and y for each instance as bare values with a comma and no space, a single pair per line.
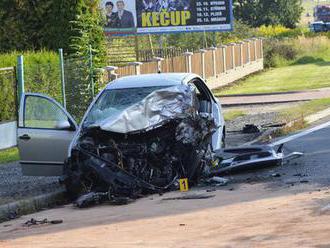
257,209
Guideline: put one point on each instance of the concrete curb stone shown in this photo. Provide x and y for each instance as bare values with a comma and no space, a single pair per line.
15,209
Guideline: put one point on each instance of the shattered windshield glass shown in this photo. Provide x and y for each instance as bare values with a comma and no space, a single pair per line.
113,102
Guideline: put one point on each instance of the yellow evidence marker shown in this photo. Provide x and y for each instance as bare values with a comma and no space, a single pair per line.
184,187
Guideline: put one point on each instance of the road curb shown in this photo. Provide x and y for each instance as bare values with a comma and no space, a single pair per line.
262,103
266,94
15,209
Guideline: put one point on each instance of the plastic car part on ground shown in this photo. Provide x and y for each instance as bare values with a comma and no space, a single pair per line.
252,157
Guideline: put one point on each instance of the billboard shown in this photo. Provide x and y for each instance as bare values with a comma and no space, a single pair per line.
130,17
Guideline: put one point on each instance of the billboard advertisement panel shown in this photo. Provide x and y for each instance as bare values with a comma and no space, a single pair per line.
130,17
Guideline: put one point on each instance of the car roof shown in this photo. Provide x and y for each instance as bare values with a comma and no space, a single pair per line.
150,80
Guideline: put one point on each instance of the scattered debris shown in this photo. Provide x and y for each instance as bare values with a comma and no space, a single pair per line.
189,197
273,125
276,175
34,222
304,181
211,190
219,181
250,128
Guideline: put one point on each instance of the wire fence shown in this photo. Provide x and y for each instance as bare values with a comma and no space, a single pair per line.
8,96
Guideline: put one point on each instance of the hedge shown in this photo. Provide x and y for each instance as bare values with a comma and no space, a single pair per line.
42,75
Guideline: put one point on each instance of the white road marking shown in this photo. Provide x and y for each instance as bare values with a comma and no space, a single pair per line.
301,134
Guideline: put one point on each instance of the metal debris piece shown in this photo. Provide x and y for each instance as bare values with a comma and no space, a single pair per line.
33,222
189,197
251,128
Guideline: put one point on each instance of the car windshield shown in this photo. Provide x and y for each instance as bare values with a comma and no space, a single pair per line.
113,102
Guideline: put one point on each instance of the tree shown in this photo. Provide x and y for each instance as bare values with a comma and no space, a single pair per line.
50,24
268,12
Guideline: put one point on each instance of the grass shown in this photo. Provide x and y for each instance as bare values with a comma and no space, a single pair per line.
9,155
310,70
305,109
233,114
295,116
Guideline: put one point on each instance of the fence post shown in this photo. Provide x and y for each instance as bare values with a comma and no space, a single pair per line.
262,48
112,75
91,69
159,63
224,58
203,51
20,77
137,67
188,61
248,51
214,60
241,46
233,45
62,77
255,49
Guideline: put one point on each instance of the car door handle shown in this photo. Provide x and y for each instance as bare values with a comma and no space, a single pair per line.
24,137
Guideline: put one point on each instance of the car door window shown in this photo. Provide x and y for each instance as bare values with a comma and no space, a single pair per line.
42,113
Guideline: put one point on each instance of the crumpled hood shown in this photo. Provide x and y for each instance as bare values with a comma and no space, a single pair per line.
177,102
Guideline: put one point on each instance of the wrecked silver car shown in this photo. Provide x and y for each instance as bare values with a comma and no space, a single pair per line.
140,135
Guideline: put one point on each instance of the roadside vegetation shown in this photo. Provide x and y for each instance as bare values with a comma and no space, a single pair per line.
9,155
233,114
295,117
291,65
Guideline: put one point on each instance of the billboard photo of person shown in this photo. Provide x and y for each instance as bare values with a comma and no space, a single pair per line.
112,19
126,18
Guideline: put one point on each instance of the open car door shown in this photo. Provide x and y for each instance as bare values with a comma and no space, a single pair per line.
45,130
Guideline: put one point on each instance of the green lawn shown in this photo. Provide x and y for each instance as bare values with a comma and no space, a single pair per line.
9,155
289,78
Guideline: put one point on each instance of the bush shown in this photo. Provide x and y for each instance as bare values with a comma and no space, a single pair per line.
280,32
279,53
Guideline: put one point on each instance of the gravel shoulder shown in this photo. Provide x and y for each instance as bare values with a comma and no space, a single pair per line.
14,186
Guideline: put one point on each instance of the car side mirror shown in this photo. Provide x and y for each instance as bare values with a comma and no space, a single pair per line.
63,125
